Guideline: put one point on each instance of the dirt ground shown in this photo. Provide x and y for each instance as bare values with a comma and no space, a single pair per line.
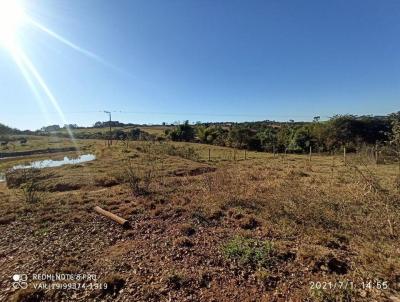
264,228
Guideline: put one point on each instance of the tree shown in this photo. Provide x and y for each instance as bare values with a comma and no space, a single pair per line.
301,140
182,132
283,137
239,137
352,131
202,133
7,130
268,139
343,130
206,134
221,136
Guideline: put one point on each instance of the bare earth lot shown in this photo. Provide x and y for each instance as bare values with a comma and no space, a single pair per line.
264,228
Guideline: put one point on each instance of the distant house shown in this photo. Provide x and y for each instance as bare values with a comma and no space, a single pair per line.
51,128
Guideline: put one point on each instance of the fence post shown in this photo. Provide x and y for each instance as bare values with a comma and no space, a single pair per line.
245,154
234,154
376,154
209,154
344,154
310,154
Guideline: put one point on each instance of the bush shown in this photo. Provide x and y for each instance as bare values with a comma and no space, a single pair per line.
184,132
28,181
138,178
15,178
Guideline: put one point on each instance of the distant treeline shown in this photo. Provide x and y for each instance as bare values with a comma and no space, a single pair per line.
116,134
341,130
113,124
6,131
350,131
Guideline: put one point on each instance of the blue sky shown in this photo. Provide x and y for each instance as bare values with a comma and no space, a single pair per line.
206,60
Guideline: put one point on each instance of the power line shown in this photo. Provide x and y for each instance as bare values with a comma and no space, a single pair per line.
179,114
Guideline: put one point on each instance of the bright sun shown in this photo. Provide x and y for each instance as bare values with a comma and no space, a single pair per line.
12,17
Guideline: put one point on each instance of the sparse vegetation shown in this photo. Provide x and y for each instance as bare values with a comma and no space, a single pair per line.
248,251
270,223
30,188
140,177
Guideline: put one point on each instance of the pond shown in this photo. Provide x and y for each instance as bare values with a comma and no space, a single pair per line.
49,163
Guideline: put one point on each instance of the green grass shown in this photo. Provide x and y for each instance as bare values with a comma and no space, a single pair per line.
248,251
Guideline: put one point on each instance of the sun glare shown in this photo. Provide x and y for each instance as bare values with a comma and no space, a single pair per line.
12,17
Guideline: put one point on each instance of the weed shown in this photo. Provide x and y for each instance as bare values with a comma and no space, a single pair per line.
138,178
30,188
339,294
248,251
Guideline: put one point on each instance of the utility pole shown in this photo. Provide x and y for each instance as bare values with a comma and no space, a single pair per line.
109,123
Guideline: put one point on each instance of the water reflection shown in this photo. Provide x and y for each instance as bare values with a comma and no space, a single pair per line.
47,163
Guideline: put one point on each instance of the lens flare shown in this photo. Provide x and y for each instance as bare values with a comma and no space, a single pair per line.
72,45
12,17
30,81
64,41
37,76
